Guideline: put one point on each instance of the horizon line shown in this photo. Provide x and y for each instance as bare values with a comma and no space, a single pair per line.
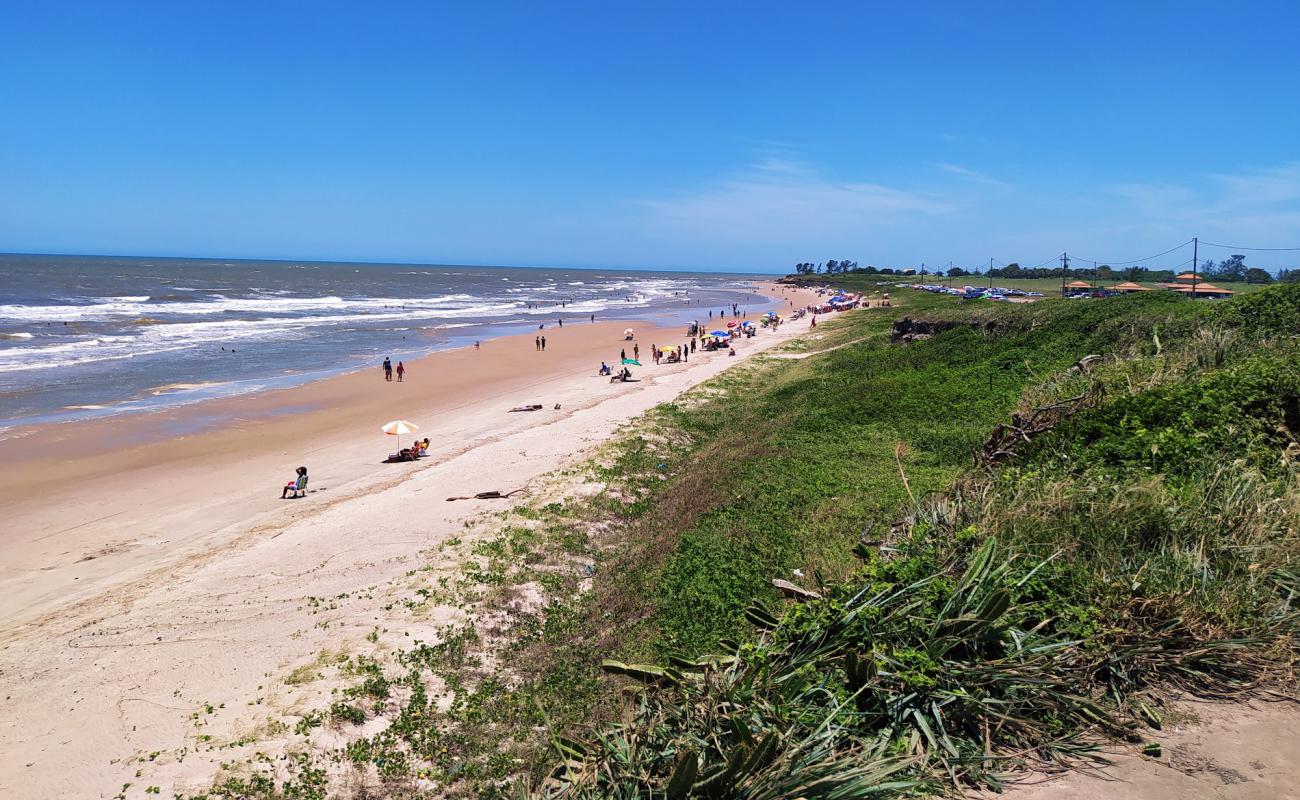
388,263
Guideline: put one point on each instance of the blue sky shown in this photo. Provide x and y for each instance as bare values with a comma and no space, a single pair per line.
740,136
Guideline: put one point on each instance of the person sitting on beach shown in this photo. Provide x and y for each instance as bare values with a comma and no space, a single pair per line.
422,448
604,369
297,485
731,352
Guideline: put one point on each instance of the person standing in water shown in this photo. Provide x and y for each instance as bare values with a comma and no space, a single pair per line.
388,369
401,370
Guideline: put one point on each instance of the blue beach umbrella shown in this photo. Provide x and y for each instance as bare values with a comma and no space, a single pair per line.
719,333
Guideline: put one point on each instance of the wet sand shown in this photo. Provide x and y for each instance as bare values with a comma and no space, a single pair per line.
146,582
77,493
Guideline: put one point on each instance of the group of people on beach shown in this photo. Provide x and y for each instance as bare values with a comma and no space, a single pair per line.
400,370
672,355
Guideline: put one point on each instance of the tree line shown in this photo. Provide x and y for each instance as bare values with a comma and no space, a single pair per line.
1232,269
831,267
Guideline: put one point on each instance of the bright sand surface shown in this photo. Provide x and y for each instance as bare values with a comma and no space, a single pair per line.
151,570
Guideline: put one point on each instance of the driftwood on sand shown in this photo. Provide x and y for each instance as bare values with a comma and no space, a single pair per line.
492,495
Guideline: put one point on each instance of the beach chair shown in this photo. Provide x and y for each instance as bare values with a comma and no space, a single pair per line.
300,487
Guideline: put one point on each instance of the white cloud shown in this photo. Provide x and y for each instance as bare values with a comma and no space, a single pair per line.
1260,187
972,175
786,202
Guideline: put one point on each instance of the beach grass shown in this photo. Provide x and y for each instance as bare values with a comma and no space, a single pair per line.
973,614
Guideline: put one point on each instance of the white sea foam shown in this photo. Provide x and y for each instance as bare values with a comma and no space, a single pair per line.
134,327
108,308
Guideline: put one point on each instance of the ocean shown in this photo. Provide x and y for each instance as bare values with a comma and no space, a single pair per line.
87,336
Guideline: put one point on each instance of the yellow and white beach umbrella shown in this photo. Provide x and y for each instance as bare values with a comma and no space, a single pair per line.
398,427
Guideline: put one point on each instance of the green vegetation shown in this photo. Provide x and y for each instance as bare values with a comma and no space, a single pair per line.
1143,542
1017,534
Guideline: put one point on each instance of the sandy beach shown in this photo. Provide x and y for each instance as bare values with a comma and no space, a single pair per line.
150,562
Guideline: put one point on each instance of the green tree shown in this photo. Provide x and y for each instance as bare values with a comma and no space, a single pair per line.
1233,268
1257,275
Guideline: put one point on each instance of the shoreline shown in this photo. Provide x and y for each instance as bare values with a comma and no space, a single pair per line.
139,596
87,502
430,341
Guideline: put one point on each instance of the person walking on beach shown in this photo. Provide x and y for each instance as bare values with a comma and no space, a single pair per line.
388,369
636,352
593,317
401,370
622,355
537,342
561,322
543,344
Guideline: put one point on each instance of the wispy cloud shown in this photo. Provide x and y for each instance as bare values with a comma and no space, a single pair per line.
972,175
1219,199
1252,208
780,200
1259,187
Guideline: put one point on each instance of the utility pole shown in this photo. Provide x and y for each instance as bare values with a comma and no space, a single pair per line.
990,273
1065,267
1196,241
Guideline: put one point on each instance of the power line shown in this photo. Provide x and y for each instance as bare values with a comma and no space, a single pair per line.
1045,263
1238,247
1139,260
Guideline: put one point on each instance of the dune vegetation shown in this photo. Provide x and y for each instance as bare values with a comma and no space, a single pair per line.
1061,514
874,564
